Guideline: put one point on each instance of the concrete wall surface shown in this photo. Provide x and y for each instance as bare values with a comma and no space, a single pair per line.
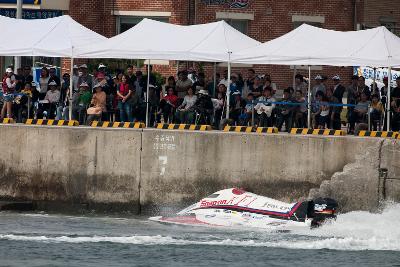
73,165
157,170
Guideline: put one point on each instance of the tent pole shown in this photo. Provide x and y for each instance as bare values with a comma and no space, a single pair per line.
147,93
177,68
71,81
309,98
374,83
228,90
215,79
294,76
388,98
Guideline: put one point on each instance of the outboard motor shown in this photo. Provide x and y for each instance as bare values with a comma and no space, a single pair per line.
322,209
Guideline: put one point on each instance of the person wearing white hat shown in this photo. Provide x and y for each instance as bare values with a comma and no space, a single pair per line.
49,104
101,66
84,76
338,89
204,107
319,86
9,83
97,105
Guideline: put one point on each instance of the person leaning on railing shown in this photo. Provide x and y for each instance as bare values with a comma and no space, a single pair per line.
300,112
285,112
359,115
376,112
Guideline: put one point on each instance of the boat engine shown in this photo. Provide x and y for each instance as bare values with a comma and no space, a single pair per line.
322,209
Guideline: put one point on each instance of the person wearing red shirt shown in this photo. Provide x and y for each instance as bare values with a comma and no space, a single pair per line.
124,93
168,105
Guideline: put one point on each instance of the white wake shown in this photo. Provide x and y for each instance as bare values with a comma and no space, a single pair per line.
351,231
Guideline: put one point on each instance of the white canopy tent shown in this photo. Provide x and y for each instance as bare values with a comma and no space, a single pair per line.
53,37
308,45
154,40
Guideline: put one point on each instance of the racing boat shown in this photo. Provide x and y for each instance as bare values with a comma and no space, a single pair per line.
236,207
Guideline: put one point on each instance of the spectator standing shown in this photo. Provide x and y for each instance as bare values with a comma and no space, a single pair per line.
9,83
338,89
54,77
362,87
75,78
84,76
300,84
319,86
249,82
43,84
300,116
285,111
170,84
257,87
395,106
168,104
64,96
130,75
334,111
124,93
376,111
323,118
183,84
140,83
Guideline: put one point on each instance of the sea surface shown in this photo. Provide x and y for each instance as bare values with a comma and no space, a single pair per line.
39,239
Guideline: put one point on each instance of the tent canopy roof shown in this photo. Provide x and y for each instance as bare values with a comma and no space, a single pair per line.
152,39
309,45
53,37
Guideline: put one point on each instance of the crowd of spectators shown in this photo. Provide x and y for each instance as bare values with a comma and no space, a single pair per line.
191,98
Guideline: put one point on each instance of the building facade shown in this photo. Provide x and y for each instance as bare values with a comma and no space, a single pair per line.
262,20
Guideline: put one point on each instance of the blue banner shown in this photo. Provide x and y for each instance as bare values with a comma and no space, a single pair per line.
26,2
31,13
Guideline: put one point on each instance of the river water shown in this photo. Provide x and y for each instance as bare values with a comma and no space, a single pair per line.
38,239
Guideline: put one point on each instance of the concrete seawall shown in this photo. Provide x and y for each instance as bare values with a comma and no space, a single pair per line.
154,170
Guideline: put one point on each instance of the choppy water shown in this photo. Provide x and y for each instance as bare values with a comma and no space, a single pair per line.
355,239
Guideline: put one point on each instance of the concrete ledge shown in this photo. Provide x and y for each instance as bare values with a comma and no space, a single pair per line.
108,124
51,122
7,121
378,134
269,130
317,132
241,129
190,127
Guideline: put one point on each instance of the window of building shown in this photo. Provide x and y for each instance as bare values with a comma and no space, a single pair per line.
240,25
390,24
317,21
124,23
239,21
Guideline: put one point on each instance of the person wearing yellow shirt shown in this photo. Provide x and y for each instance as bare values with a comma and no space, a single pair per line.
376,111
